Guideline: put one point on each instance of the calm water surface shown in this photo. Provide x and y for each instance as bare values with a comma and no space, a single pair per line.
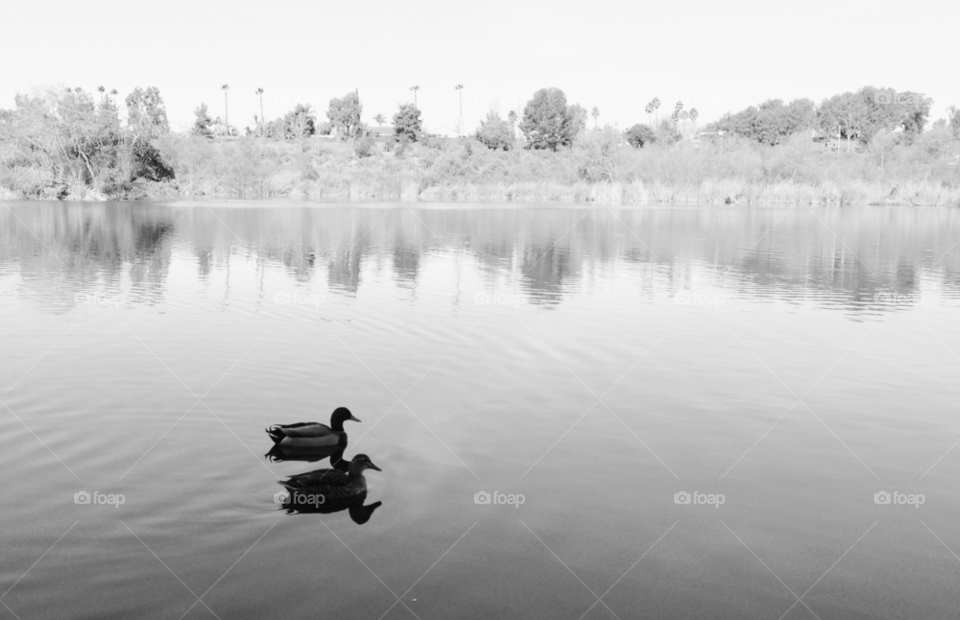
795,361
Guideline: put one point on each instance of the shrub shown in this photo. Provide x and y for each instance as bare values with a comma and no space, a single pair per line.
640,134
406,122
495,133
364,146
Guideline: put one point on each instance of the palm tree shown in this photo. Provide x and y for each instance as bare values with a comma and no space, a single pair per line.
459,89
415,89
381,119
678,114
226,107
596,114
259,92
656,106
649,110
102,90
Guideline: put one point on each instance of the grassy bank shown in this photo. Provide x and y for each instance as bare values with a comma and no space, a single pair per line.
599,169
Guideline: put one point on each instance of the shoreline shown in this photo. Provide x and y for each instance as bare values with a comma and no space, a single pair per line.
635,193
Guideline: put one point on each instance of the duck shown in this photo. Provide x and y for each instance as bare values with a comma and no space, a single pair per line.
344,480
312,434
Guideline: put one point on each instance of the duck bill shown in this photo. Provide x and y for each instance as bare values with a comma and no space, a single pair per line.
372,466
354,418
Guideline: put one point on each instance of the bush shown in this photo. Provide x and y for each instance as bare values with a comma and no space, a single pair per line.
495,133
640,134
363,147
406,122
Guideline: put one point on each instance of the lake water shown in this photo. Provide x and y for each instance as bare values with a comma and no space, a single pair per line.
788,362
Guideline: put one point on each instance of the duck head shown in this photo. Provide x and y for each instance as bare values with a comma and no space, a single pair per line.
360,463
339,416
361,514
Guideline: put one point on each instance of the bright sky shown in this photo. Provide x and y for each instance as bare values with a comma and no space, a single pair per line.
717,56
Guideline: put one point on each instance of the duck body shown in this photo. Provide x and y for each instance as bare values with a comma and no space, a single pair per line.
312,434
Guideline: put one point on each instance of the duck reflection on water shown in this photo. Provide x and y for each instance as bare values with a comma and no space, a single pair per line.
329,490
280,454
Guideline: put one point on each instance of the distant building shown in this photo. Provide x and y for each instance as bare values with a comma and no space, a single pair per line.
381,133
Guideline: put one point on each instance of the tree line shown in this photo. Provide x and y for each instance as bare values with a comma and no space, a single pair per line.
61,139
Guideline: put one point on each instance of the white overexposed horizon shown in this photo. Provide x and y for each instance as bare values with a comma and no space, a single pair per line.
715,56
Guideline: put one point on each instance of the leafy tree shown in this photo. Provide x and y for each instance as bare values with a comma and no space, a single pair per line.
300,123
578,120
600,156
862,114
771,122
221,128
344,115
202,123
954,115
146,114
406,122
548,122
67,139
495,133
639,135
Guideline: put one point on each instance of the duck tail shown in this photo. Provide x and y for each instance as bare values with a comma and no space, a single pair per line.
275,433
274,454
